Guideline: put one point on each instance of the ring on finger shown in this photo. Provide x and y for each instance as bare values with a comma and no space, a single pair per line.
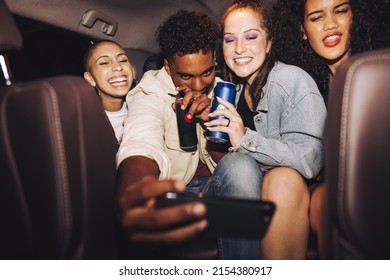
228,123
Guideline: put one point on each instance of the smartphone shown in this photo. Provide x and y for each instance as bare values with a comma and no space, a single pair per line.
235,218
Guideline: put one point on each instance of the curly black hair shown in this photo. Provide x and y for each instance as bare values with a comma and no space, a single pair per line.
256,88
187,32
369,31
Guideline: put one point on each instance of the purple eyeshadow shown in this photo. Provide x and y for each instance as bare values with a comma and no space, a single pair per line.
252,36
228,39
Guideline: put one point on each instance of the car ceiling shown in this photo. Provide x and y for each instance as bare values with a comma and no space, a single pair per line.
137,19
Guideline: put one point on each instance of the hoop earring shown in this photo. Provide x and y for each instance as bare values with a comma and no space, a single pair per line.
305,47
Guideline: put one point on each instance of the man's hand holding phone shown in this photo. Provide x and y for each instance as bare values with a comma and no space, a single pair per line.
145,223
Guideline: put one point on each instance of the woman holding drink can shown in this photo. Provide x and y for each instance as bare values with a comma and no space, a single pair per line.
278,122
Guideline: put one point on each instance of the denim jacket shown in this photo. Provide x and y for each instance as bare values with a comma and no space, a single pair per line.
289,124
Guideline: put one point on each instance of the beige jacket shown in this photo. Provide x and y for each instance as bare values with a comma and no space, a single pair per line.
151,129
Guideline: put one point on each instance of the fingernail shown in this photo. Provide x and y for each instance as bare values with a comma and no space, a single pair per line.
199,209
202,225
180,186
182,107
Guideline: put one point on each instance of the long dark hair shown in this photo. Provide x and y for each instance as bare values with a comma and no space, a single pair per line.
256,88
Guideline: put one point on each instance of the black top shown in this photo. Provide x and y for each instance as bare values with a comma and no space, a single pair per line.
245,112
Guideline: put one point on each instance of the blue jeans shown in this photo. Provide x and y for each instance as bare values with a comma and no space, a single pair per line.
236,176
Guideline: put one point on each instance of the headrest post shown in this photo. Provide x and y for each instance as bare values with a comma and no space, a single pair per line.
4,69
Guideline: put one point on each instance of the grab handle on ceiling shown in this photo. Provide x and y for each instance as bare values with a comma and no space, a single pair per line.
109,26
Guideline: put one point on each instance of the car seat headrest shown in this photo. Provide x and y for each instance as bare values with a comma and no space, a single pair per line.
10,37
153,62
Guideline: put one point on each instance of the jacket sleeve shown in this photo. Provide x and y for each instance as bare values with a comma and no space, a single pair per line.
299,142
144,131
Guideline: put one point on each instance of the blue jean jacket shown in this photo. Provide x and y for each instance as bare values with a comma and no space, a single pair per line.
289,124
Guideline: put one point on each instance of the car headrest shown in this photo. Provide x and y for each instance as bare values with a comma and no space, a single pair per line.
357,158
153,62
10,37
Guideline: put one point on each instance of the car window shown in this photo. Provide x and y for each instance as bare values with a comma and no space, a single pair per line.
47,52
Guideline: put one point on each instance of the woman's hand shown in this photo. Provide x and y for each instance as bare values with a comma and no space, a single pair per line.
233,125
200,107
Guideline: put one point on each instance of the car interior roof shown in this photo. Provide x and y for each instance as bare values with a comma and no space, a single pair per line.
134,29
130,23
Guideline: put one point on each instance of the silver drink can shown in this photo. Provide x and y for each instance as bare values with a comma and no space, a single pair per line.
226,91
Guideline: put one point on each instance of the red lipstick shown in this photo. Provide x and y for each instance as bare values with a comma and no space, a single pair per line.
332,40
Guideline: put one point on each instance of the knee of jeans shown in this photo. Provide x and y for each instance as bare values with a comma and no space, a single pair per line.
239,165
240,175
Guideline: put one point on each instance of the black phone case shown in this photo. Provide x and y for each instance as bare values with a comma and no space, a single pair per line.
236,218
187,128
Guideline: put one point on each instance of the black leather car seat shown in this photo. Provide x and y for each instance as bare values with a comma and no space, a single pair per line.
357,151
57,166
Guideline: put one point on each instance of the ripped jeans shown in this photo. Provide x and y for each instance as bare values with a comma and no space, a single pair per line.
236,176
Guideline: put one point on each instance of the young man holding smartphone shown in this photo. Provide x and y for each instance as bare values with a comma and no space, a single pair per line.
150,160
